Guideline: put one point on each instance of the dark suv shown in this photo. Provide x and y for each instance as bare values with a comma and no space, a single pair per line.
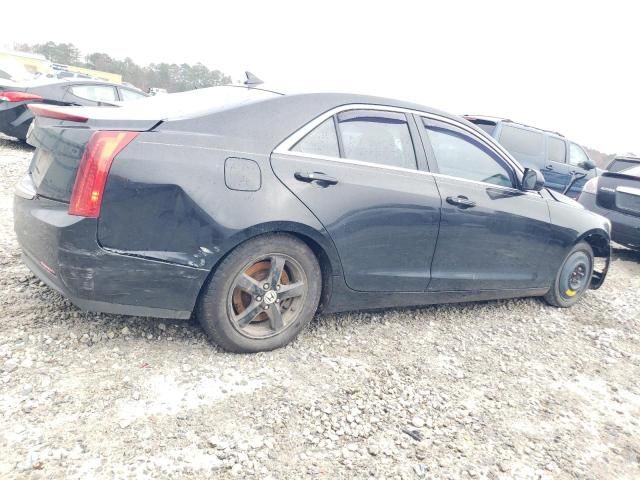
550,152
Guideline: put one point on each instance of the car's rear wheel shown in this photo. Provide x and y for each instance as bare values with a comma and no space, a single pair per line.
573,277
262,294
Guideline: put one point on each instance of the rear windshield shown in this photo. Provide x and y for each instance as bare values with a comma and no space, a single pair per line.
633,171
486,125
175,106
619,165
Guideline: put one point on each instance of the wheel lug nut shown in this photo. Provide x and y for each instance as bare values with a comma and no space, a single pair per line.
277,287
258,298
266,307
266,286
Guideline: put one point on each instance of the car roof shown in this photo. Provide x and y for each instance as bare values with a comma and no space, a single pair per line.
283,114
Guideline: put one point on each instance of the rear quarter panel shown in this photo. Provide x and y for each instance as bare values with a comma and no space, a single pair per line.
166,198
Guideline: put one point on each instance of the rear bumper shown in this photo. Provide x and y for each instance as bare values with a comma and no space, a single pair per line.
625,229
63,252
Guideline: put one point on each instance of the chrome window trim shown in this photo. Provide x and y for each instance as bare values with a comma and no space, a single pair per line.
284,147
405,170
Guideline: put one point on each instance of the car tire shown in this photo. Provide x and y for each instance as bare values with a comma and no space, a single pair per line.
573,277
262,295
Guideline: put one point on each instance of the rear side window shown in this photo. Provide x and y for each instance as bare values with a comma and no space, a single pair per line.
377,137
97,93
320,141
522,141
557,150
459,155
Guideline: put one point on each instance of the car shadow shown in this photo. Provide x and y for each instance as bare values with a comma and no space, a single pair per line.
10,142
622,253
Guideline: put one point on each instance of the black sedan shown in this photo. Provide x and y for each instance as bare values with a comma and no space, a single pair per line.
616,195
15,117
252,210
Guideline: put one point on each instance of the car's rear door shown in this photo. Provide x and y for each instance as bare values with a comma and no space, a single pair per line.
357,171
492,235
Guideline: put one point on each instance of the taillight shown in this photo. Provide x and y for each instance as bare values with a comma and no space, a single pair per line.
49,112
18,96
591,186
91,178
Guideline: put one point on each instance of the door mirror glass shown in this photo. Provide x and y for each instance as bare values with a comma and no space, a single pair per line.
532,180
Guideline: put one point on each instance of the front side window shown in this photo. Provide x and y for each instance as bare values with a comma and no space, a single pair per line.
97,93
376,137
518,140
557,150
460,155
577,156
322,140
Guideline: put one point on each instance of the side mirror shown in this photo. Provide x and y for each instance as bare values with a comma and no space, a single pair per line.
532,180
587,164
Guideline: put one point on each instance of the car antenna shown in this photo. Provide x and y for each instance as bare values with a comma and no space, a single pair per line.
252,80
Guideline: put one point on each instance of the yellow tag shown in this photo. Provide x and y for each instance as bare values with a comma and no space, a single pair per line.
570,293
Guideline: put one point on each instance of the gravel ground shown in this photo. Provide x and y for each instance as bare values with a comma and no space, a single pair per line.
508,389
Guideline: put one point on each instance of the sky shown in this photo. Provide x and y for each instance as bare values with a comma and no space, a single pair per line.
570,66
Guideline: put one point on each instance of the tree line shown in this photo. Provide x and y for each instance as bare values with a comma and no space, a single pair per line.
170,76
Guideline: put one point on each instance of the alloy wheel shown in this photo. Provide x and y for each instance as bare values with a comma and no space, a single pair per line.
267,295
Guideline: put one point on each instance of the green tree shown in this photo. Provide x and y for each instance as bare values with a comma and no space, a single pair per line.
172,77
65,53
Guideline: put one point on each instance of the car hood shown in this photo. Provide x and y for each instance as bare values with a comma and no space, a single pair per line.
558,197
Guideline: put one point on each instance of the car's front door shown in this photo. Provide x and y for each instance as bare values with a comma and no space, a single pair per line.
492,235
357,172
577,159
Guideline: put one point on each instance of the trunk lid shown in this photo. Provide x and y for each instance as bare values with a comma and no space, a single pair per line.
619,192
61,135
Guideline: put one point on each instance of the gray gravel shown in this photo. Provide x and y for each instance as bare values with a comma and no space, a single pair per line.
508,389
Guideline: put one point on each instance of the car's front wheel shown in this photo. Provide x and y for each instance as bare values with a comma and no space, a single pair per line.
261,295
573,277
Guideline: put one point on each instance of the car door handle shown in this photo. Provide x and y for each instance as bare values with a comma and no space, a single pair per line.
461,201
315,177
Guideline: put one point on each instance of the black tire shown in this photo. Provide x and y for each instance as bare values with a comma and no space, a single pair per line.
241,315
573,277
